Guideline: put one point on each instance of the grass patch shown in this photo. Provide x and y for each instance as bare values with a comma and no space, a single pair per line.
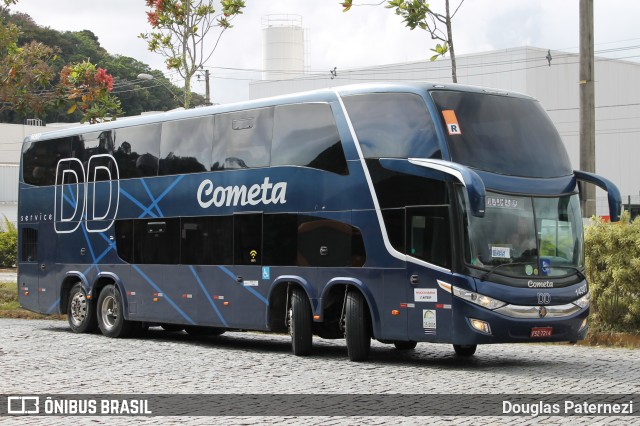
10,307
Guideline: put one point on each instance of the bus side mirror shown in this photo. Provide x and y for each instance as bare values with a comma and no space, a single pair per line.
613,194
472,182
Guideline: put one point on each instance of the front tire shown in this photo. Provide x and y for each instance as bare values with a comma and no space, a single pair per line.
300,321
111,314
357,327
465,350
81,313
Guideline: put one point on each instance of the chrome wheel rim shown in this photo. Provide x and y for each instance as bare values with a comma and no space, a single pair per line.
78,308
109,311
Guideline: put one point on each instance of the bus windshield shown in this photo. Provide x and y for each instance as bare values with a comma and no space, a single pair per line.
527,236
502,134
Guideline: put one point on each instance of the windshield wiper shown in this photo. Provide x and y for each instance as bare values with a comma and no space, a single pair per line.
491,271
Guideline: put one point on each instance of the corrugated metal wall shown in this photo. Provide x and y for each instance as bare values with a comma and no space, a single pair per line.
9,183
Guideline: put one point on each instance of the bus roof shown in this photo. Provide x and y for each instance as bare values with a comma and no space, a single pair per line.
319,95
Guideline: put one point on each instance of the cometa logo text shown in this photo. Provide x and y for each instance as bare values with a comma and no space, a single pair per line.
264,193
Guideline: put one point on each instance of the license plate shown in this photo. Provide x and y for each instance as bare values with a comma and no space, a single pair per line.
541,332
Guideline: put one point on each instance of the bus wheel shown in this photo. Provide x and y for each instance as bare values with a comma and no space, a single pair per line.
80,311
465,350
300,323
357,329
195,330
111,314
405,346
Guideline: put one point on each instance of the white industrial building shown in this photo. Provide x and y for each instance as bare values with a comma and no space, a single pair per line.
551,77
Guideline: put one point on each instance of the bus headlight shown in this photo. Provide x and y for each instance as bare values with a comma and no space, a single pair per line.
584,301
478,299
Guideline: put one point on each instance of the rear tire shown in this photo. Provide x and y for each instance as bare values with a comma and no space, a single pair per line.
357,327
81,312
195,330
111,314
465,350
405,346
300,323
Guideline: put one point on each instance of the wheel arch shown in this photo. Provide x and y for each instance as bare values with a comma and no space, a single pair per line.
102,280
69,280
336,288
278,298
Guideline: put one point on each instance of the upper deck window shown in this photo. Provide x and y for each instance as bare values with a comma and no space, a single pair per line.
186,146
502,134
137,150
243,139
395,125
306,135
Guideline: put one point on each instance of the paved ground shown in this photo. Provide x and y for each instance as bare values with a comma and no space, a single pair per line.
45,357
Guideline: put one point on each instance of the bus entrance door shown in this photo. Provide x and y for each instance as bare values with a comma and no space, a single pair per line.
430,314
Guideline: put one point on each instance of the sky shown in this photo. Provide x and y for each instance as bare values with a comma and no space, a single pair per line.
365,36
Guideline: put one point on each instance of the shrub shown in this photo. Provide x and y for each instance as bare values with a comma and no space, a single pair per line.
8,244
612,254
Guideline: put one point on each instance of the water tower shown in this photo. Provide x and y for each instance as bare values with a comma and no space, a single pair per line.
283,48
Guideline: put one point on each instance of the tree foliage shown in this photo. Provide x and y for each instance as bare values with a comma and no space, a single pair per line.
8,244
418,14
612,254
70,48
26,73
179,28
88,89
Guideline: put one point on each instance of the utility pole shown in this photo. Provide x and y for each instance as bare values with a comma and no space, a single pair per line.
207,97
587,107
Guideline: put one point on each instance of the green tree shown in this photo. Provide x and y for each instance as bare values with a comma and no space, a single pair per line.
26,74
612,255
418,14
88,89
179,28
8,244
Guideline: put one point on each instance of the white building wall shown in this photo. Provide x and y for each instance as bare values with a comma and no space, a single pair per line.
526,70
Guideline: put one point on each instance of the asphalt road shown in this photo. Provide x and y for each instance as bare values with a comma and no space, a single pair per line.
45,357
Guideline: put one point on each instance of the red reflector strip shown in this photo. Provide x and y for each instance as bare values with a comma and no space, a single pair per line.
187,296
403,305
131,293
218,297
158,294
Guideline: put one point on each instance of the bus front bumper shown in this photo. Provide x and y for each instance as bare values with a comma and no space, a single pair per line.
517,324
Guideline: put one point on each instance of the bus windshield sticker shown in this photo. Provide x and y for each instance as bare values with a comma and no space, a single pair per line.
504,203
501,252
452,122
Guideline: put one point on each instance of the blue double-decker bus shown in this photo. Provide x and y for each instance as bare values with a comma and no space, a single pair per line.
400,212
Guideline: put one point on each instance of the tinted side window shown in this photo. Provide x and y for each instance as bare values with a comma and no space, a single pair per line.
395,125
324,242
306,135
157,241
280,239
186,146
247,239
124,239
207,240
428,234
243,139
137,150
29,252
40,160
